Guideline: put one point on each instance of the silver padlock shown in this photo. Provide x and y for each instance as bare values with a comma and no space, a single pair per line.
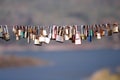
115,28
1,31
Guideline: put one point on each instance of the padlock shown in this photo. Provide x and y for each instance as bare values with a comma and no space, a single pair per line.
102,30
19,32
34,33
1,35
70,32
17,37
60,35
89,38
82,35
14,30
77,38
6,36
6,33
53,35
115,28
73,34
41,38
98,35
33,37
54,32
66,29
73,30
22,34
66,33
44,32
28,39
23,29
1,29
1,32
50,33
47,40
108,30
90,35
30,30
66,37
36,41
95,30
26,32
86,31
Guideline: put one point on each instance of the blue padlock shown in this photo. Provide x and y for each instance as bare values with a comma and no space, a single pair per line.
90,35
22,34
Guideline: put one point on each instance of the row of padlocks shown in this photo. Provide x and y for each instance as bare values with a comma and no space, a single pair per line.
74,33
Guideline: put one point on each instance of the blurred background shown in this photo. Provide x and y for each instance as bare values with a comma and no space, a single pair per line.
97,60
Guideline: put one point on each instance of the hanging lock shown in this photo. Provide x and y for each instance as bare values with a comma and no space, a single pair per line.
1,31
90,35
44,32
50,33
22,32
41,36
98,35
77,38
34,33
66,31
26,32
73,34
17,37
60,35
19,31
115,28
28,38
30,30
47,40
36,41
54,32
6,33
108,30
14,29
82,32
70,32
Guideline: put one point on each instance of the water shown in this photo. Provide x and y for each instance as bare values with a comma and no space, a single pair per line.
68,65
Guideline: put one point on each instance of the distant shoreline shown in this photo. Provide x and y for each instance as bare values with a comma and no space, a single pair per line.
7,61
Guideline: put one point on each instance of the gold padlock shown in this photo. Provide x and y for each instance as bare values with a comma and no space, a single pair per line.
101,30
82,32
109,30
